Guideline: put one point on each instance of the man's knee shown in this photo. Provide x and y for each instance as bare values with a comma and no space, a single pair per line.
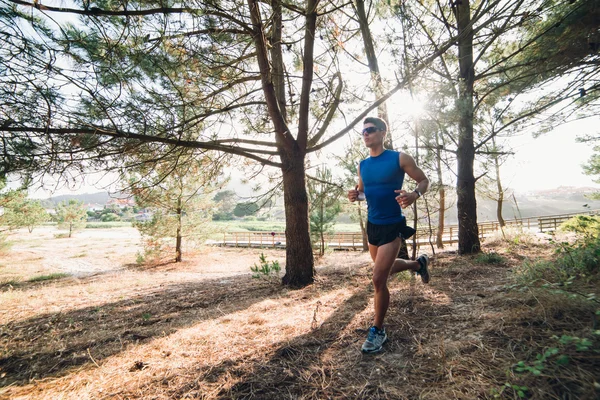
380,280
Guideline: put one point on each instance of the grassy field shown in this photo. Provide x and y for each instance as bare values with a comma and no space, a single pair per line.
271,226
79,319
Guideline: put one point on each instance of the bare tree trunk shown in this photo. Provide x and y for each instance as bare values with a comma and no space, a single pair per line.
500,189
299,256
442,193
178,257
299,269
322,249
363,229
468,232
378,87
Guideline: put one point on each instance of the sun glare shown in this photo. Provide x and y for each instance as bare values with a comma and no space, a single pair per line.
407,106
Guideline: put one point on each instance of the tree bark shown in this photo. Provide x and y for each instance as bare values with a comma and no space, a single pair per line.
373,66
299,268
500,189
468,232
442,193
178,256
363,229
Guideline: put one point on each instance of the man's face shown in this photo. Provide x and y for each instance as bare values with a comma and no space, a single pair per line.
372,136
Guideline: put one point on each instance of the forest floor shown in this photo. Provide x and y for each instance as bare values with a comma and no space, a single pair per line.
79,319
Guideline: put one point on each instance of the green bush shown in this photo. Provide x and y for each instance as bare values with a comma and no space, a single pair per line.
42,278
5,244
490,258
104,225
586,226
110,217
265,269
573,261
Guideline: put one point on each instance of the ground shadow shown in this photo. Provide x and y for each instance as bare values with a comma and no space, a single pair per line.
50,344
327,362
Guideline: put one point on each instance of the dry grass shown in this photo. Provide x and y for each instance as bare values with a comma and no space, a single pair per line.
206,330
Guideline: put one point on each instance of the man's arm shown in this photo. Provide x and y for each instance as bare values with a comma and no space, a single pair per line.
353,194
410,167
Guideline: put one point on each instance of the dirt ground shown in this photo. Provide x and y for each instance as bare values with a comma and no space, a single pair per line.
205,329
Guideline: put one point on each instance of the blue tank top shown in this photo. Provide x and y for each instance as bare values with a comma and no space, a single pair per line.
382,175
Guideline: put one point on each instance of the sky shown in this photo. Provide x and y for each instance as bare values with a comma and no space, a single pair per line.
552,160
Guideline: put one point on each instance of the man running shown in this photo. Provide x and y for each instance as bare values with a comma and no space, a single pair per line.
380,178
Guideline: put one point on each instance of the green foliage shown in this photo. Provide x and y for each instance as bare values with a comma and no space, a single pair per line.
490,258
516,390
106,225
110,217
20,212
559,356
265,268
49,277
324,206
573,261
5,244
180,200
71,215
246,209
586,226
225,200
9,283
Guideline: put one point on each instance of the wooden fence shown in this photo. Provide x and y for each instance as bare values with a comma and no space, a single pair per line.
423,236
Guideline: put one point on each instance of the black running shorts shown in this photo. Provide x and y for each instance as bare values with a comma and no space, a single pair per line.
379,235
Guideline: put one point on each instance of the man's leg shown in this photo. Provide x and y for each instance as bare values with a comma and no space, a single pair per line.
384,259
420,266
403,265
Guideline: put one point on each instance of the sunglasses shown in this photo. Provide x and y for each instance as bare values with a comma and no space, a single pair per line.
369,130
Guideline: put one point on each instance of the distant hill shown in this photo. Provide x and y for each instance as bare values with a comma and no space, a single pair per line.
563,200
87,198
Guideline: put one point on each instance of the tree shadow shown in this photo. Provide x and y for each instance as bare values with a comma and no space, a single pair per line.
280,376
327,362
49,345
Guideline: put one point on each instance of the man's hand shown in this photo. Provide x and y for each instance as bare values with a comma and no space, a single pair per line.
353,194
405,198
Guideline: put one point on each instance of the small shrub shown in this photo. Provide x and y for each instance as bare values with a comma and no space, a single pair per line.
585,226
579,260
558,356
404,276
265,269
5,244
514,236
139,258
106,225
42,278
80,255
490,258
61,235
9,283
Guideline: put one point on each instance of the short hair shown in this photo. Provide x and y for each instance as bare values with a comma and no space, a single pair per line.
378,122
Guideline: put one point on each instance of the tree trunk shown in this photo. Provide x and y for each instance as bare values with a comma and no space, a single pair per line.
363,229
442,191
442,214
378,87
500,189
468,233
299,268
178,239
